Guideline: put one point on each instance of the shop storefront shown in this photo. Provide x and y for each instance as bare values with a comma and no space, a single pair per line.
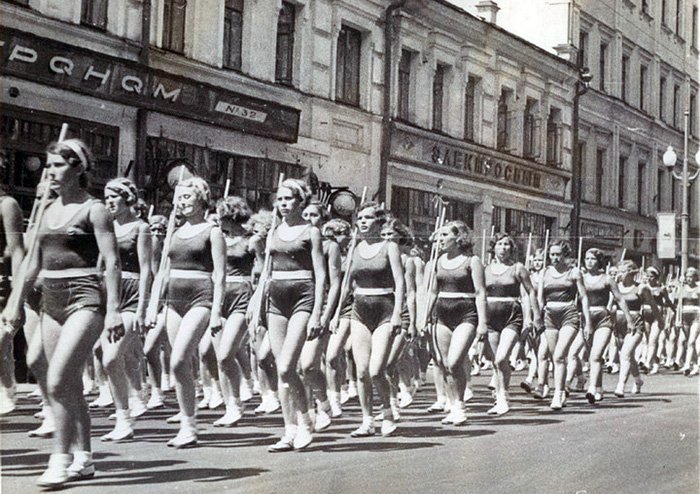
489,190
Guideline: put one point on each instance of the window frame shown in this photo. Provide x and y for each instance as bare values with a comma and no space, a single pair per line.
403,87
90,17
232,59
169,41
349,44
438,89
286,31
470,109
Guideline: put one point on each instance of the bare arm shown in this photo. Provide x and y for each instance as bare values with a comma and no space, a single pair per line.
430,297
107,243
617,296
12,225
583,297
319,265
334,281
533,309
648,298
480,291
399,283
410,280
218,255
144,250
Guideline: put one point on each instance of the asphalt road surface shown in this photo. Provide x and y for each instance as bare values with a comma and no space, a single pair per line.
645,443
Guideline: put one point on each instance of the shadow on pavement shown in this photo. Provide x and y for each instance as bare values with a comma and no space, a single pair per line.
130,477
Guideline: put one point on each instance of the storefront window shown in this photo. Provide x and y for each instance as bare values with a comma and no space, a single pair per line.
519,224
254,179
419,210
25,138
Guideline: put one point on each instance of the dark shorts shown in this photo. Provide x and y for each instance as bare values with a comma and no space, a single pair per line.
129,295
185,294
451,312
61,298
4,291
373,310
346,310
287,297
601,319
236,298
502,315
33,300
558,317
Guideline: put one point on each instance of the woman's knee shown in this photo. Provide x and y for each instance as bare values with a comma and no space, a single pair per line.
287,373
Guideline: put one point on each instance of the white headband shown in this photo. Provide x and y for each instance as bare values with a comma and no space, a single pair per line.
78,149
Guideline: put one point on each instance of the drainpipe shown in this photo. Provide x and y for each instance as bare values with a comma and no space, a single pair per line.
391,10
142,113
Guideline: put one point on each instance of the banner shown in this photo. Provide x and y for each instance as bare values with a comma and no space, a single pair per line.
666,239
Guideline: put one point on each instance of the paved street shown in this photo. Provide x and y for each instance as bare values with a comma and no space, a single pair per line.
642,444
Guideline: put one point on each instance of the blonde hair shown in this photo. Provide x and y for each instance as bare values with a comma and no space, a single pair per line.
200,187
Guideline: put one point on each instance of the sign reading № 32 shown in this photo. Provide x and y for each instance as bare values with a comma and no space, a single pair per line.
61,65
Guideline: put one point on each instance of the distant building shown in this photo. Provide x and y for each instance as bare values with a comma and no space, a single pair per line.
643,56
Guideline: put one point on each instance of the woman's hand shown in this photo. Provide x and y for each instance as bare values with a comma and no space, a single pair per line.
216,323
140,322
314,329
395,324
411,332
482,329
114,326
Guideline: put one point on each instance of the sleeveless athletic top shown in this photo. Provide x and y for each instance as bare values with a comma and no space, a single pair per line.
658,293
691,296
71,245
291,255
374,272
632,298
457,279
127,241
597,290
505,284
559,289
535,278
192,253
239,260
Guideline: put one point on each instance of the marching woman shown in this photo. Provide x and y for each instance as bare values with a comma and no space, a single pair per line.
75,230
242,251
195,294
690,314
507,283
337,232
121,359
600,287
635,295
533,341
314,348
295,302
561,283
459,299
656,330
378,277
11,255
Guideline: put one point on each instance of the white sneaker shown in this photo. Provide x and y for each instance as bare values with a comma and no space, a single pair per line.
273,403
165,383
352,390
187,435
122,431
388,427
82,467
137,407
246,392
216,399
468,394
449,419
323,420
405,398
156,399
204,402
501,408
438,406
175,419
7,400
365,430
286,443
104,399
459,416
556,400
56,474
637,387
45,430
233,414
303,437
336,409
256,387
519,365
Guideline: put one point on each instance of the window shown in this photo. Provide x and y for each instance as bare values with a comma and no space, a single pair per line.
94,13
503,122
643,71
347,74
284,60
233,34
438,96
641,186
621,182
663,13
662,98
530,129
583,49
645,6
174,25
601,66
679,16
694,28
660,178
470,109
599,175
676,105
625,77
693,115
405,84
554,138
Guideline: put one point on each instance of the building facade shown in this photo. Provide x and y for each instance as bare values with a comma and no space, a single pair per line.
643,57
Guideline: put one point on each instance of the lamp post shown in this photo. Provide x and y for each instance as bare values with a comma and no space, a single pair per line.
670,159
582,84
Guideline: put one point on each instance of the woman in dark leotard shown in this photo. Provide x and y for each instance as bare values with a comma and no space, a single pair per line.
122,359
656,331
75,230
242,251
690,315
377,274
459,300
538,346
195,295
337,232
507,284
11,255
561,283
635,295
600,287
296,299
